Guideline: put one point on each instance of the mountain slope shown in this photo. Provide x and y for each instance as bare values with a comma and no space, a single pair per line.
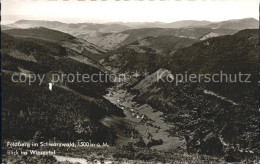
230,54
213,116
144,54
163,44
71,110
115,40
40,33
78,45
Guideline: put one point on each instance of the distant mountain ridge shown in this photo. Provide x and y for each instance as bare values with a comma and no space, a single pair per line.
178,24
75,29
109,36
69,26
121,26
241,24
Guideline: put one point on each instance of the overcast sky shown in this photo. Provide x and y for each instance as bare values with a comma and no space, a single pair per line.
128,11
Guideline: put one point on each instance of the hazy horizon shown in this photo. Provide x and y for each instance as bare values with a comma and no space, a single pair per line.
114,22
73,11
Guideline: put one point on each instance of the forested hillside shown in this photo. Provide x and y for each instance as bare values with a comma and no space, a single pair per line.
45,114
215,117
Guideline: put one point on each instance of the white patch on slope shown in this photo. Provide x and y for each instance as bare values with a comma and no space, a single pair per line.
219,96
210,35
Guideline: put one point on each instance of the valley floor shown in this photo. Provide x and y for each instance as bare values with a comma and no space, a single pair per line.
153,124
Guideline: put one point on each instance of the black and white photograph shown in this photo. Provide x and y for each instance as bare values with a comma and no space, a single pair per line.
130,81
